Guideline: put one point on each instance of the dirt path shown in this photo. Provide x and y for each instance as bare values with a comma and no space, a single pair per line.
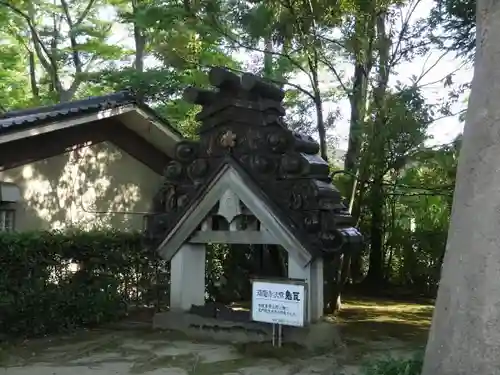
152,353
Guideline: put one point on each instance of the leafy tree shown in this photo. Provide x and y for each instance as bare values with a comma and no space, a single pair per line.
457,20
63,40
398,190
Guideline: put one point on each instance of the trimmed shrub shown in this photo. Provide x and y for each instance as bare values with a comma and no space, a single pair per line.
54,281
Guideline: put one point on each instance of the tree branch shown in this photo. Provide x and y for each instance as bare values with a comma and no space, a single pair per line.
446,116
49,65
235,40
74,45
404,28
427,71
417,86
325,61
85,13
436,194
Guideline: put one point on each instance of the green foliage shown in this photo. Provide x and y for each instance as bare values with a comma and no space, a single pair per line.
423,206
457,19
158,48
229,270
40,293
13,84
393,366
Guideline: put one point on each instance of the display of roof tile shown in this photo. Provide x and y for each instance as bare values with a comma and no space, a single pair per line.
242,124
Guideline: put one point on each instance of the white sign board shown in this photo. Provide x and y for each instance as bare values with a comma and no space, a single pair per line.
279,302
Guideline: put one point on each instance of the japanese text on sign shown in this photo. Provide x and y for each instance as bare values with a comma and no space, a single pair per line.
278,302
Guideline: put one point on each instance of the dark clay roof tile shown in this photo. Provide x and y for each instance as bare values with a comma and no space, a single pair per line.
11,120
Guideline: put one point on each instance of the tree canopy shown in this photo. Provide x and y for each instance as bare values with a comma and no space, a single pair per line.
397,185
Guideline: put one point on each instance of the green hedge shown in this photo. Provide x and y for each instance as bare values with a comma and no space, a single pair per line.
40,294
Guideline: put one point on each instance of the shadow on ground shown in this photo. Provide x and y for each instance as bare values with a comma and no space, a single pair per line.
369,329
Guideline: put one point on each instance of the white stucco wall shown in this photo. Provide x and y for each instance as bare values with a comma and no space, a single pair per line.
84,188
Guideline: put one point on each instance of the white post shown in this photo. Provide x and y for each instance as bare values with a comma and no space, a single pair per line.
316,289
187,277
296,271
313,275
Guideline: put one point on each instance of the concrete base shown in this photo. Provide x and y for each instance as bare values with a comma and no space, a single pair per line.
316,336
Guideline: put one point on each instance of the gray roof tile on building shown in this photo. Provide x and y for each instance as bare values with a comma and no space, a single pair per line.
15,120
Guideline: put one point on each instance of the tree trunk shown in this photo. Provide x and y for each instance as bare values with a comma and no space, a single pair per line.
33,82
364,56
375,274
140,46
377,152
340,269
356,266
334,303
268,57
465,333
318,104
358,109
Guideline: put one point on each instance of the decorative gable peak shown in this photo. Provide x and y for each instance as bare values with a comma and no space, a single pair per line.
242,123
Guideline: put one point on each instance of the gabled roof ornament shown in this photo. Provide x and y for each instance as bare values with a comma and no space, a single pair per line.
242,125
228,139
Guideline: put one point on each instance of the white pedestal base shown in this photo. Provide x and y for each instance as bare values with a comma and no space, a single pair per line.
187,277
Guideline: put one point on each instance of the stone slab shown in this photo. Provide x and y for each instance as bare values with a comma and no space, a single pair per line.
320,335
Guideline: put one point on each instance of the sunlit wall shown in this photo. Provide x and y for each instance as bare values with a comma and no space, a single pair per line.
96,186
